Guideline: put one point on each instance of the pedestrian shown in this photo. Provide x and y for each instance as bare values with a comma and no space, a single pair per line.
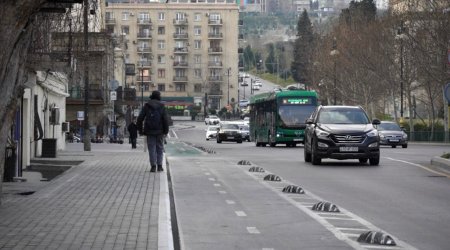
153,122
133,131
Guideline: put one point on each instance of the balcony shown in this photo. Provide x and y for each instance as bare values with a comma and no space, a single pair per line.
241,36
215,22
215,78
144,35
144,21
182,50
140,79
215,89
77,96
214,64
144,50
241,64
241,22
240,50
180,21
215,50
180,35
180,78
110,20
215,35
180,64
144,64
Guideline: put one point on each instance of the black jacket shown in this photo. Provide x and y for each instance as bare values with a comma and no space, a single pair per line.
133,130
163,127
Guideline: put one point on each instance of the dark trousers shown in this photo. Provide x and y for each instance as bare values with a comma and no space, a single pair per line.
133,142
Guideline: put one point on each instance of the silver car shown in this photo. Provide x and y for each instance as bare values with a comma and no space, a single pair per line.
391,134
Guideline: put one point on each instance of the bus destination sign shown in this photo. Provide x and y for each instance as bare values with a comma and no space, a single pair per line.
296,101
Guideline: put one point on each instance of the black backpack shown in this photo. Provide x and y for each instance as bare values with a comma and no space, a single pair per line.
153,119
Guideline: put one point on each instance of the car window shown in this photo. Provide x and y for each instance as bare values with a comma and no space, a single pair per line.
212,128
389,126
342,116
230,126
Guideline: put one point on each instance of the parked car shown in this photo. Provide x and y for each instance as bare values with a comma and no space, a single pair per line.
256,87
211,132
244,103
212,120
257,83
229,132
392,134
341,132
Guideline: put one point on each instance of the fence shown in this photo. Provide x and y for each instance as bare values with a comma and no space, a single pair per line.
427,136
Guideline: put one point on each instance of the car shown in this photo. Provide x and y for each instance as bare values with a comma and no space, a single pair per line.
257,83
392,134
256,87
211,132
229,132
246,120
245,131
212,120
244,103
341,132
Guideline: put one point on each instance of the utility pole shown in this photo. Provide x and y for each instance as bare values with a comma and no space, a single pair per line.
228,97
87,132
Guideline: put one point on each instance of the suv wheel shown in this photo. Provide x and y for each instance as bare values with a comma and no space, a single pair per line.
374,161
314,158
404,145
363,160
218,140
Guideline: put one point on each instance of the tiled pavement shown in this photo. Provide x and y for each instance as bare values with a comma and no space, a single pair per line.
110,201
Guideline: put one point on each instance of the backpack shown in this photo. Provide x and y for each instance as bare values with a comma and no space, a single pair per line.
153,119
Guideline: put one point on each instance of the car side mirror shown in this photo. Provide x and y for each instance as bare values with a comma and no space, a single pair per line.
309,121
376,122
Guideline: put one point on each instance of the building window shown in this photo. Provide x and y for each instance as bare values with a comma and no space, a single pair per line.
197,59
161,87
161,73
197,30
180,87
198,44
125,16
214,17
161,44
180,16
161,16
161,30
144,16
197,88
126,30
198,73
197,17
161,59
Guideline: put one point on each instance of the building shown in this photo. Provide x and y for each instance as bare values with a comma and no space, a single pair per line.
185,49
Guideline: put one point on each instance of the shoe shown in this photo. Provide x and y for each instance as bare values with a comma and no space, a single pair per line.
160,168
153,169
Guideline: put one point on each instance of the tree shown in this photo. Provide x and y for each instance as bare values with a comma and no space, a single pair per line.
270,62
303,50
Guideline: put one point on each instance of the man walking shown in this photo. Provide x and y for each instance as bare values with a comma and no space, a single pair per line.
133,131
153,122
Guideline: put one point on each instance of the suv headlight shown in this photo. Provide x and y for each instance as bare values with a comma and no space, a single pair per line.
405,136
322,133
372,133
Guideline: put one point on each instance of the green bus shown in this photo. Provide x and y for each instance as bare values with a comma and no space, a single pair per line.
278,117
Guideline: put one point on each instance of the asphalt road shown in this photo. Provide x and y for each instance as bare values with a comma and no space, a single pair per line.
403,196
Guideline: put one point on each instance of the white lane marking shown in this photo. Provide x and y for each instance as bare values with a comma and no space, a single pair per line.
352,229
211,179
207,173
253,230
217,185
222,192
351,235
240,213
306,203
165,238
73,177
230,202
174,134
268,249
336,218
420,166
331,213
380,247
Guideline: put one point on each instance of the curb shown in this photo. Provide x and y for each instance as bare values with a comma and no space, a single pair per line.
440,162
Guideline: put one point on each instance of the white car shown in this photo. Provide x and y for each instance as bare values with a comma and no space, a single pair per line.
211,132
212,120
243,103
256,87
257,83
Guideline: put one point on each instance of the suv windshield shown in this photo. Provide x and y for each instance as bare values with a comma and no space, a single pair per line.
230,126
343,116
388,126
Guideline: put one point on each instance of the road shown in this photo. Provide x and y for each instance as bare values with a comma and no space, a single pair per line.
402,197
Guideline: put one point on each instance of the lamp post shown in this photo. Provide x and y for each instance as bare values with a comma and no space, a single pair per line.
142,84
401,36
334,53
228,96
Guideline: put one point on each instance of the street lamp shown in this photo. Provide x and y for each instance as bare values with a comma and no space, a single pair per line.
400,36
228,97
142,84
334,53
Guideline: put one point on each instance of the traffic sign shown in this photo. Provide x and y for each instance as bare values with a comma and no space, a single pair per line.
113,95
80,115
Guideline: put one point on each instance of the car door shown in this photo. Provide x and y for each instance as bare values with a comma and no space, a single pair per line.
309,130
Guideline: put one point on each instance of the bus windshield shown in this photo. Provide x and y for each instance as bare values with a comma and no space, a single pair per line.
294,115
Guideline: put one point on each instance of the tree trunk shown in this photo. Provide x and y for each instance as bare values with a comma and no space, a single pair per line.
15,38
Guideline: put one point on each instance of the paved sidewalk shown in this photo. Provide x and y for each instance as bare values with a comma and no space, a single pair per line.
110,201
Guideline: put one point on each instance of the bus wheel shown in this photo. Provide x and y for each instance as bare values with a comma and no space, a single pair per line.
256,141
272,144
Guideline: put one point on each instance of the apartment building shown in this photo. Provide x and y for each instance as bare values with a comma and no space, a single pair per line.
188,50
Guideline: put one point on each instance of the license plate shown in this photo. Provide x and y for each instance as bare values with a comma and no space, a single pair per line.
230,137
348,149
393,140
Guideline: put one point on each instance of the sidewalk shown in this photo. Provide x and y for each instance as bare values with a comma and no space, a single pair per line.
109,201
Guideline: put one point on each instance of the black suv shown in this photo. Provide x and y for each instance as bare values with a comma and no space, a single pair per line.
341,132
